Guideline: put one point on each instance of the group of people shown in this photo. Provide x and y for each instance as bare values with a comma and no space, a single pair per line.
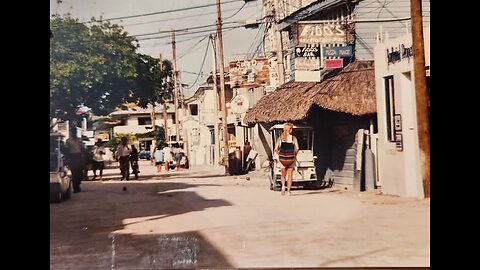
164,154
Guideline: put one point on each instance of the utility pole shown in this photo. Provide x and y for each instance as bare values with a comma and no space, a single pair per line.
421,92
215,88
175,86
222,86
165,128
279,44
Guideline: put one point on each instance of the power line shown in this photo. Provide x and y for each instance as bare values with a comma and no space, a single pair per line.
181,30
181,18
190,33
235,12
201,67
160,12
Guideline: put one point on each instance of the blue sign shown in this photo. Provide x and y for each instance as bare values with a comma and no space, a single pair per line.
343,51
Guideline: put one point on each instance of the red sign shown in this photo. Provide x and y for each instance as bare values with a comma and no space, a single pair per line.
333,63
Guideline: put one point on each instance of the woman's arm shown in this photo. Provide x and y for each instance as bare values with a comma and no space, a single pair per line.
277,145
295,143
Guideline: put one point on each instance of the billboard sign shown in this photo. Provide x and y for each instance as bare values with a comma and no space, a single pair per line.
307,63
309,51
341,51
323,33
249,72
333,63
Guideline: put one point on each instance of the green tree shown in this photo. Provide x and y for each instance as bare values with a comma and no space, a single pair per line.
151,84
93,66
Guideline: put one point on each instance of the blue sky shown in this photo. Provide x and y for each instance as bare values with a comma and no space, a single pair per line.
190,48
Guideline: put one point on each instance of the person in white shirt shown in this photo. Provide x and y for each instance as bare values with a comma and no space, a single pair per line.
123,155
98,162
167,156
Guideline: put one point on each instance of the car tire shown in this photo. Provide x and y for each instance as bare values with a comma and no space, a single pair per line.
68,194
56,197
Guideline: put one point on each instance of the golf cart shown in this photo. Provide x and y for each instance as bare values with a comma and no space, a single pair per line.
305,173
60,180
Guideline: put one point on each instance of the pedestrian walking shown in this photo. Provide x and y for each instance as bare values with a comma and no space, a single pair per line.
286,149
75,154
123,155
134,161
158,156
167,157
98,163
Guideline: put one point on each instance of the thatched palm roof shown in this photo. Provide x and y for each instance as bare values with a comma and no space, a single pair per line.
352,90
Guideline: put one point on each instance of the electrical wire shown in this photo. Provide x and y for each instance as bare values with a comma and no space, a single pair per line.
201,67
229,17
180,18
160,12
190,33
182,29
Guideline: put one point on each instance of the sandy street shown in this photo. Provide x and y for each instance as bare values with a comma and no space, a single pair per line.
203,218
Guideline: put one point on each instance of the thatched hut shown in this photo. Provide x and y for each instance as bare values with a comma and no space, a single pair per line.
339,107
351,90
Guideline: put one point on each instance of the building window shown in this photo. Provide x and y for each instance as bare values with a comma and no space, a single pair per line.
390,107
193,109
142,121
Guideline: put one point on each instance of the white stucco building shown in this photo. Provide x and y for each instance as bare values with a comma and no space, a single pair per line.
138,121
398,149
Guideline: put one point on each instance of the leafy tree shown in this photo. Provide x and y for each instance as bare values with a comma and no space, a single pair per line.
151,84
93,66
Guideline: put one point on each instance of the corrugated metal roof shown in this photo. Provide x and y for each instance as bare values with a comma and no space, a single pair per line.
308,11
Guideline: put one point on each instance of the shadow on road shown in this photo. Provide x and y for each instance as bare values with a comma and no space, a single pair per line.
82,229
159,251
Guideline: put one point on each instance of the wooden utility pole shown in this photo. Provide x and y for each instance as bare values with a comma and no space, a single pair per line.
215,89
222,86
165,127
175,87
421,92
279,44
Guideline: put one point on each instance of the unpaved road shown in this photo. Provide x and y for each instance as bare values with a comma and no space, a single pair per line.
202,218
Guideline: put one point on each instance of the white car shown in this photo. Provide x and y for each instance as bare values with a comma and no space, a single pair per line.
60,177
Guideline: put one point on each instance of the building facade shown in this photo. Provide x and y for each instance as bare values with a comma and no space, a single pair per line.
137,120
398,148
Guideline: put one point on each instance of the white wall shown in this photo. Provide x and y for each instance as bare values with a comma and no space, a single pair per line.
399,171
132,126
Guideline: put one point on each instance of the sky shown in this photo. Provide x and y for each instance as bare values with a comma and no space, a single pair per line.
191,48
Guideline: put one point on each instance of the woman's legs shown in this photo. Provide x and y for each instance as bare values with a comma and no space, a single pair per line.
289,179
283,172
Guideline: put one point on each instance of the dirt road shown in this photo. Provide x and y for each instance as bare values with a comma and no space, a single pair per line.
202,218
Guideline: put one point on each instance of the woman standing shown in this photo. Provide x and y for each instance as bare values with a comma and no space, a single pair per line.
286,147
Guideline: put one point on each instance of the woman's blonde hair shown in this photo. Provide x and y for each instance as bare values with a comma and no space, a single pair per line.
285,127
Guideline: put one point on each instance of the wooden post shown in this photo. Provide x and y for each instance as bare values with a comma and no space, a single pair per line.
215,89
175,87
421,92
279,45
222,86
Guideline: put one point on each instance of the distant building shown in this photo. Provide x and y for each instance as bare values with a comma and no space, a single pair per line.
138,120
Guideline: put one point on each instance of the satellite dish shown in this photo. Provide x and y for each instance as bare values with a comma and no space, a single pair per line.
239,104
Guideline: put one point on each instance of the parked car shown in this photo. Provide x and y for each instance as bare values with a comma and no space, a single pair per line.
144,155
60,176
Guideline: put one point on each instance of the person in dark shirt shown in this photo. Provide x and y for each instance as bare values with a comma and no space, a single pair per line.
134,161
